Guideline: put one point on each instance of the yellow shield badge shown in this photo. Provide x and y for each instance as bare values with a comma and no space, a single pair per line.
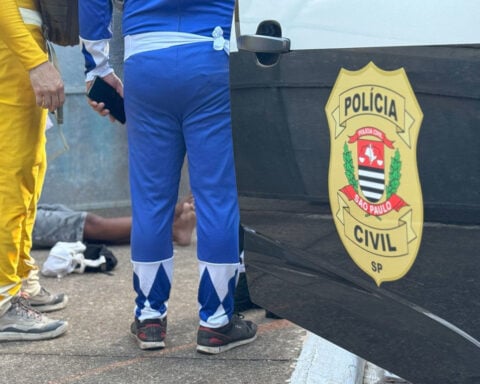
374,187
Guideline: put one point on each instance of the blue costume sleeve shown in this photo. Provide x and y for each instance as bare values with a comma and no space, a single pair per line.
95,18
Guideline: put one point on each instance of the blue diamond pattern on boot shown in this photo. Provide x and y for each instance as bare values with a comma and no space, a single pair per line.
207,296
228,301
215,294
152,283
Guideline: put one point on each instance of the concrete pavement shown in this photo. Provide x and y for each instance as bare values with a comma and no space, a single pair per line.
98,347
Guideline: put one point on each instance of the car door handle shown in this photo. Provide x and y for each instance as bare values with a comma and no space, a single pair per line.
264,44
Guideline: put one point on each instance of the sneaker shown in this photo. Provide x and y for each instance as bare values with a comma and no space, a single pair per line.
150,333
216,340
45,301
22,322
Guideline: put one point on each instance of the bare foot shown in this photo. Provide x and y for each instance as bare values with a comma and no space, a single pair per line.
184,223
179,207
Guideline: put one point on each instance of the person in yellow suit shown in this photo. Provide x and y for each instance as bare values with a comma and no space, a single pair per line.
29,87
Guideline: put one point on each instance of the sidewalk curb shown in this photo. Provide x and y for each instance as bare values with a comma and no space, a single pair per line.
323,362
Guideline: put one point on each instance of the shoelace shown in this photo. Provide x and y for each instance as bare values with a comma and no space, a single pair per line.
21,307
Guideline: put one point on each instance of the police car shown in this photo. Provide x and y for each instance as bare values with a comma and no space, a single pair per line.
356,131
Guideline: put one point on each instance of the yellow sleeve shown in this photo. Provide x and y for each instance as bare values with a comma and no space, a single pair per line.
17,37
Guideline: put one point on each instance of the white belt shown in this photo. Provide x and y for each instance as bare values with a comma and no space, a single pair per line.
31,16
150,41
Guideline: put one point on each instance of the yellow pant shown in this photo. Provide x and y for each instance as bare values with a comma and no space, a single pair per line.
22,170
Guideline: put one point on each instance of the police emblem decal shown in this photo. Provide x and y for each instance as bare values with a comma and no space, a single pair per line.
374,187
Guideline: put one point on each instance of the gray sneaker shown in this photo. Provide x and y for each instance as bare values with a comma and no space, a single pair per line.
216,340
22,322
45,301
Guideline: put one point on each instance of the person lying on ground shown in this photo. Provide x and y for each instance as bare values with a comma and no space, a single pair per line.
56,222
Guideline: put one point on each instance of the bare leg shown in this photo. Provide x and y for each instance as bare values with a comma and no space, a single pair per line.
109,230
117,230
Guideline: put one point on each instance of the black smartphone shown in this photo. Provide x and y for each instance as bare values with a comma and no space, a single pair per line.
102,92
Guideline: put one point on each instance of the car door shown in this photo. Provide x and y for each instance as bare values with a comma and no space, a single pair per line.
289,60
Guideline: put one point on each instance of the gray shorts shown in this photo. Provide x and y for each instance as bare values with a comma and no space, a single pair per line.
56,222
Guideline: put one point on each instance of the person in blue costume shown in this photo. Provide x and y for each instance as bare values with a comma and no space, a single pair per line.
177,102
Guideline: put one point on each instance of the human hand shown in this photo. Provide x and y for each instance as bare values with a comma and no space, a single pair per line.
48,86
117,84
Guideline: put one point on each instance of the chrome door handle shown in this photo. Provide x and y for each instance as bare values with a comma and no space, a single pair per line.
263,44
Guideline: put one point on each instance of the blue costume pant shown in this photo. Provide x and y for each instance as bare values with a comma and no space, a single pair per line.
177,100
